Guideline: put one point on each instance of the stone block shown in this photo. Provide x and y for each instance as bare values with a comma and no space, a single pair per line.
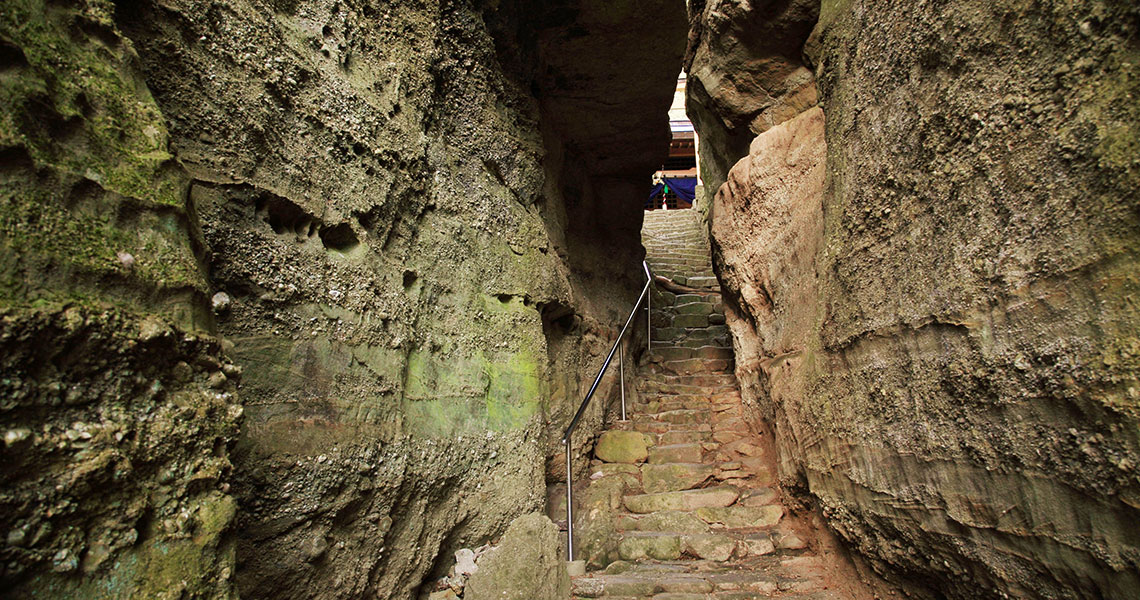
623,447
741,516
674,476
653,545
667,521
710,546
719,496
675,453
526,565
686,321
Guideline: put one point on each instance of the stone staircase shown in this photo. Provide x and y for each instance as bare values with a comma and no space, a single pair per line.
688,481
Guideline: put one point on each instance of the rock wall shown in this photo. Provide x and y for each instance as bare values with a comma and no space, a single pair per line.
933,292
746,73
118,407
396,227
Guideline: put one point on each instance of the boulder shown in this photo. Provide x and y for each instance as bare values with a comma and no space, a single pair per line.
623,447
526,565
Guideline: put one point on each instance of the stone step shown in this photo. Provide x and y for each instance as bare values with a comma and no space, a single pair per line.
673,477
657,385
692,338
702,263
675,333
694,259
683,437
683,299
681,402
696,308
683,416
687,321
720,379
674,453
703,281
645,423
683,352
798,577
698,365
713,497
712,546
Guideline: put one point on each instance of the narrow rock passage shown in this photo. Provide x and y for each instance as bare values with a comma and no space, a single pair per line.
701,518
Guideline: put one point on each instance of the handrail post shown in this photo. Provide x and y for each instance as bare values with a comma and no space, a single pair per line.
648,309
621,368
649,322
569,505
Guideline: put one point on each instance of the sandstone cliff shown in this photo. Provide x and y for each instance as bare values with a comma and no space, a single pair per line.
933,292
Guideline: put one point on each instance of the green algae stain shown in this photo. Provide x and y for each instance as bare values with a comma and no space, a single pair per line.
77,104
87,175
473,393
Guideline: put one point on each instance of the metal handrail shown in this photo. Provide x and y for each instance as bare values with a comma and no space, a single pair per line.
617,347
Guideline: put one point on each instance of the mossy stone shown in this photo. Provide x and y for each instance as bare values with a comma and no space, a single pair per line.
623,447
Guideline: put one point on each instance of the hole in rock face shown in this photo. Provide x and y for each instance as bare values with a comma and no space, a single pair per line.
504,298
558,319
284,216
11,57
410,278
559,324
339,237
14,159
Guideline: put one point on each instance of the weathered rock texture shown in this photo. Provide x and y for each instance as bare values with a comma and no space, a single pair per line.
526,565
117,409
746,73
933,294
412,214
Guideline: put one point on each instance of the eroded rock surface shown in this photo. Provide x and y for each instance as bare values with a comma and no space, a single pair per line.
399,221
936,318
746,73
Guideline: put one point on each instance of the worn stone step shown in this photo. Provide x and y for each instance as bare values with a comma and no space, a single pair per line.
710,332
650,544
717,547
646,424
676,453
702,351
736,517
698,341
703,281
683,437
696,308
664,521
683,299
710,379
649,385
672,477
712,497
684,416
698,365
667,334
661,404
687,321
